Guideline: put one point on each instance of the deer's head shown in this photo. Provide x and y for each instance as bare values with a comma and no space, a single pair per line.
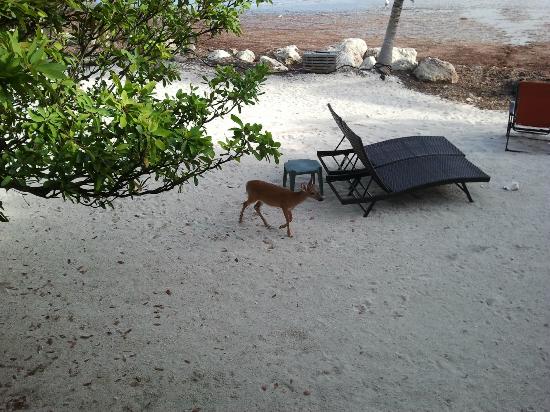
311,191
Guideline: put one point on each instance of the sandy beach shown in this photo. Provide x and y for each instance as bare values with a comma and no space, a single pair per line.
167,303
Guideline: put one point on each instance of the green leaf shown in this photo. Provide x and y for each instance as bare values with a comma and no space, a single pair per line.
35,117
37,55
237,120
52,70
161,132
6,181
15,43
160,144
98,183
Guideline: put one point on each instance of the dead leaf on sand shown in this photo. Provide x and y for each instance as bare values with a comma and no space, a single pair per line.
39,368
17,403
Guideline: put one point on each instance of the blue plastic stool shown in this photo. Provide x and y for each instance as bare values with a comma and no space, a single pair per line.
303,167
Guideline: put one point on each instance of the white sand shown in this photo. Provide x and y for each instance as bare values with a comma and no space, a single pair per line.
432,303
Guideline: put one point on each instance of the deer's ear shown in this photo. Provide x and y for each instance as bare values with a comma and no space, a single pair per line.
303,187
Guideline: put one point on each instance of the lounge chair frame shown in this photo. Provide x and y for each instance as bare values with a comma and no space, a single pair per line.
362,181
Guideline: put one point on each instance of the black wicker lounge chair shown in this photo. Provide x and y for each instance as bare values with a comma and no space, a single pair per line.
395,149
396,166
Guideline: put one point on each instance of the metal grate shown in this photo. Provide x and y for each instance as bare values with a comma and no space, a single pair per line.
319,61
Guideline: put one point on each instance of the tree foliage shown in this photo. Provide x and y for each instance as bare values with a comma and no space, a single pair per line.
79,115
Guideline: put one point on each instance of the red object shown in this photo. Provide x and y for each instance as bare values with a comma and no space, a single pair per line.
530,112
533,104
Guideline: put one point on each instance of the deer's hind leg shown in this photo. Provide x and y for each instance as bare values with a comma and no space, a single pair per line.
246,203
257,207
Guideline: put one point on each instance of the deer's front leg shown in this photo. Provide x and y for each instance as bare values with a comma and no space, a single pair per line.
288,217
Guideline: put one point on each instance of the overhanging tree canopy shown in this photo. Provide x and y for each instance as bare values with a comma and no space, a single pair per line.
79,117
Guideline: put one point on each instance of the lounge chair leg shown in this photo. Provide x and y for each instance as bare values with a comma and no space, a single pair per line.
369,209
353,185
508,135
463,187
510,127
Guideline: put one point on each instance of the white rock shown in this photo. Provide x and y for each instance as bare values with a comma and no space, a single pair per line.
170,45
233,52
246,56
402,58
178,58
218,56
514,186
350,52
435,70
274,65
288,55
368,63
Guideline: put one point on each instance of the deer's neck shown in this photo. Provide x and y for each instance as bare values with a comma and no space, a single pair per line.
297,198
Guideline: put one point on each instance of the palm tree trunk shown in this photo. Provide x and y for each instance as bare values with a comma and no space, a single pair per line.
383,64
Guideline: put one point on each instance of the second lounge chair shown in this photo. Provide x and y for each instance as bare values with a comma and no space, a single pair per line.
530,111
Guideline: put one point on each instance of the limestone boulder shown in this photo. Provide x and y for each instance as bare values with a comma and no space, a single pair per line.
368,63
219,56
288,55
349,52
432,69
402,58
273,65
246,56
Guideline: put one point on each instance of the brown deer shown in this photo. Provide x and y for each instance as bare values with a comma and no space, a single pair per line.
277,196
